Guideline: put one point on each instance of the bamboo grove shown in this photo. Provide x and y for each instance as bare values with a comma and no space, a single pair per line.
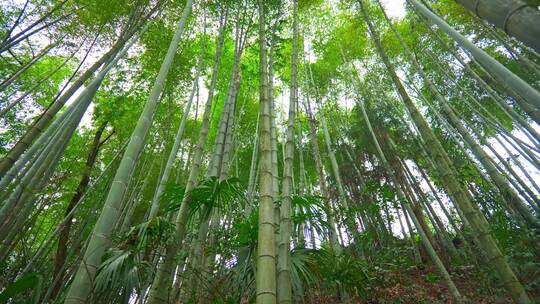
281,151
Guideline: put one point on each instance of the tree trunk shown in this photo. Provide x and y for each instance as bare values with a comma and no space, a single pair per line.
228,147
63,237
208,215
33,177
489,89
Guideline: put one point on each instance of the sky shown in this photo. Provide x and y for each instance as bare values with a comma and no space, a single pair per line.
394,8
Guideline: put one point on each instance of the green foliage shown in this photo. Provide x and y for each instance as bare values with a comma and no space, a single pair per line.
172,197
127,266
336,50
303,263
246,231
213,193
310,209
31,282
120,274
304,5
106,11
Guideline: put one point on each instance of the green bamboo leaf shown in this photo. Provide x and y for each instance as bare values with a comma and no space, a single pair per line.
29,282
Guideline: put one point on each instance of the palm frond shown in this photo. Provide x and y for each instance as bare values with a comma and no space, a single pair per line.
211,193
172,197
310,209
121,273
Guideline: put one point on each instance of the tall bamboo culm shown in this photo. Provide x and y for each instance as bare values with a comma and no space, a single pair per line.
265,277
81,287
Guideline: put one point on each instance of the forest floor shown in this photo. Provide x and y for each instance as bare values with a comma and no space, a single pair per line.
423,286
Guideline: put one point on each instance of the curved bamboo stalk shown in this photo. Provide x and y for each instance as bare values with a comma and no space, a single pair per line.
517,18
495,68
